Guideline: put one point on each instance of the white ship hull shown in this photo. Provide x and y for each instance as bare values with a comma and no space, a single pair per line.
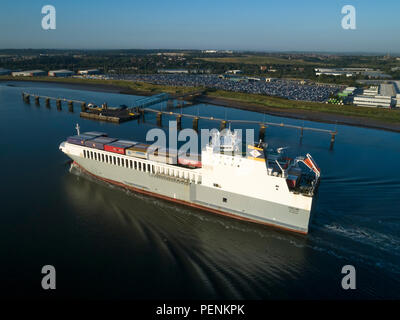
219,188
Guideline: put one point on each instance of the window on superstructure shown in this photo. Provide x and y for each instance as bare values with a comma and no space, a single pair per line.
118,161
91,155
148,168
106,158
140,166
130,164
102,157
135,165
224,200
144,167
114,160
84,153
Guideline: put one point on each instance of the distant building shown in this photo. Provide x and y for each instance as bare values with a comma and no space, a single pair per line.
263,68
173,71
171,54
350,89
234,71
253,79
270,79
371,91
373,101
349,72
233,77
61,73
4,72
209,51
89,71
29,73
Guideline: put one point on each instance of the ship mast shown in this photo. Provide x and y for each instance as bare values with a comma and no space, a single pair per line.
78,129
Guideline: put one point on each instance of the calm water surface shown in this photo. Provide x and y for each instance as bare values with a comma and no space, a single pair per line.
109,243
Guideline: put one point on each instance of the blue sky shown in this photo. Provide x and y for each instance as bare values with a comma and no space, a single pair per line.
278,25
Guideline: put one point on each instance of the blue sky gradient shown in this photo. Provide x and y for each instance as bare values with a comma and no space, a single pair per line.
307,25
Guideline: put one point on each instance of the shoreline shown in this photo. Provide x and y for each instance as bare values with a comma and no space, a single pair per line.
303,115
316,116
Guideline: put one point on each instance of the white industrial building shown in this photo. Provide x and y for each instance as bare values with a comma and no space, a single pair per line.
234,71
61,73
29,73
371,91
89,71
373,101
173,71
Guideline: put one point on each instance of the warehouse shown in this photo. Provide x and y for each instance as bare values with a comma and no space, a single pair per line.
89,71
61,73
373,101
29,73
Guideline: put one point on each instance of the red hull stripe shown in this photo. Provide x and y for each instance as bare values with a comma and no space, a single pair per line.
187,203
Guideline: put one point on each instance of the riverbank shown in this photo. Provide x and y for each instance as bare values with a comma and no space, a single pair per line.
317,116
375,118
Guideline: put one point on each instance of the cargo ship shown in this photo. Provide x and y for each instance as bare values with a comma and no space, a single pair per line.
260,185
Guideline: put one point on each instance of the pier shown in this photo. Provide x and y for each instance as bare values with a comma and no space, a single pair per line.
100,113
141,106
223,123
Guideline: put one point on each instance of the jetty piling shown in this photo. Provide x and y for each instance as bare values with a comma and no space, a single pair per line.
333,135
196,124
179,122
261,133
159,119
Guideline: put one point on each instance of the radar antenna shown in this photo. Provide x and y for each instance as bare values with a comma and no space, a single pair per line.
78,129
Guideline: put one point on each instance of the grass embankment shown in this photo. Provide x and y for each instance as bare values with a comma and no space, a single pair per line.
385,115
129,86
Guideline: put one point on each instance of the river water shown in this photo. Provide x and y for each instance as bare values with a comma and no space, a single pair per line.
106,242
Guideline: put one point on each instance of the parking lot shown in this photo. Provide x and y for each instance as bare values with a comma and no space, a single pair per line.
288,89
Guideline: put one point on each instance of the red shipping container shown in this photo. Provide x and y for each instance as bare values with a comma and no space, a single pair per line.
114,149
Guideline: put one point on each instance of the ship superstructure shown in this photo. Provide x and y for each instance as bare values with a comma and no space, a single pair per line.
261,185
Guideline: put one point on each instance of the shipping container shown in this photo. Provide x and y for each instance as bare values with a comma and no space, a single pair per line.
138,150
191,160
128,142
161,151
118,146
96,134
137,154
99,142
169,159
79,139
